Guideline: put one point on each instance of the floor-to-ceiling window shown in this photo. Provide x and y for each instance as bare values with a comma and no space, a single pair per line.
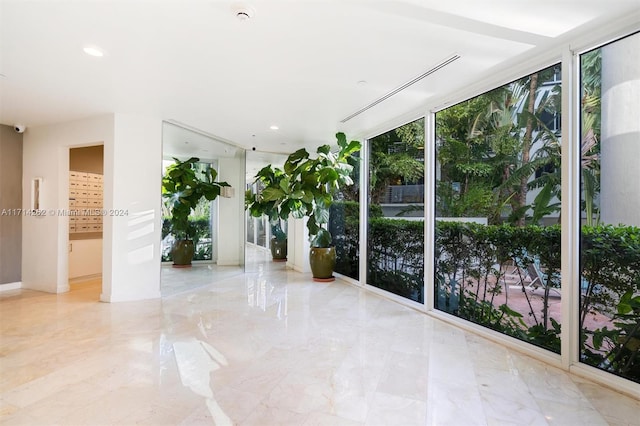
344,225
609,317
395,238
497,234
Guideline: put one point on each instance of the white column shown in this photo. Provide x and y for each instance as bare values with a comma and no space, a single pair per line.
132,200
231,211
298,246
620,144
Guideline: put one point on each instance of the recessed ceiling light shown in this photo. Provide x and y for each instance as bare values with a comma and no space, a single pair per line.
93,51
362,82
274,127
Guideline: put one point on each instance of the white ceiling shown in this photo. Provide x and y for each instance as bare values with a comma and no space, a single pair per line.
296,64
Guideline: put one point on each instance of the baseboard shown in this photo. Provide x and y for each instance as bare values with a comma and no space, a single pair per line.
11,286
84,278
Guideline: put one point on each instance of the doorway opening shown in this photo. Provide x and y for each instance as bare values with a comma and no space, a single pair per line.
86,202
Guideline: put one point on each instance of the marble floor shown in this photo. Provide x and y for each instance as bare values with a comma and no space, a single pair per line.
270,347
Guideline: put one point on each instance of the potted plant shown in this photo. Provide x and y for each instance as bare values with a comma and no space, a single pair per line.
309,189
267,201
182,188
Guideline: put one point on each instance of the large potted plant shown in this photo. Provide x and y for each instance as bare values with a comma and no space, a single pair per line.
272,183
182,187
309,188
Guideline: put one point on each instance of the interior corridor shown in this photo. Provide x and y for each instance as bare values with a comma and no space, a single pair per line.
266,347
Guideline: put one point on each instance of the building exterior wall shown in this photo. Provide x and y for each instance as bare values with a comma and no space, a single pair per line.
620,144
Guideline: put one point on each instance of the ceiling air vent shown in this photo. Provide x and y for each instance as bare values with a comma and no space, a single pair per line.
404,86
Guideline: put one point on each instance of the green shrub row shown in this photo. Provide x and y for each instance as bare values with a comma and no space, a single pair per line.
609,285
471,261
395,249
396,257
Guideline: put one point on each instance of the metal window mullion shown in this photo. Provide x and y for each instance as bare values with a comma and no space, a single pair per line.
364,210
429,209
570,226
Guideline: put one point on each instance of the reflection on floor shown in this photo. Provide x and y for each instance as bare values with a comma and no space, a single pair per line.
270,347
179,280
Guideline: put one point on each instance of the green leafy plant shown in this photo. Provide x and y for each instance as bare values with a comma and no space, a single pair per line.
201,237
494,148
310,184
344,225
471,260
267,201
617,349
396,256
182,187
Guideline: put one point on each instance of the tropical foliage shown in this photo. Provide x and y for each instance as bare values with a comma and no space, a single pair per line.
202,238
493,149
396,159
591,70
306,186
183,186
268,200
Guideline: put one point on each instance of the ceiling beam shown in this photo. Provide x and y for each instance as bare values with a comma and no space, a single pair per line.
410,11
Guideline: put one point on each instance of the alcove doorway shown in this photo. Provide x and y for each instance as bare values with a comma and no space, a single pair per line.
85,210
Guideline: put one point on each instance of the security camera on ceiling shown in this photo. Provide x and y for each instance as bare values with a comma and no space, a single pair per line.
19,128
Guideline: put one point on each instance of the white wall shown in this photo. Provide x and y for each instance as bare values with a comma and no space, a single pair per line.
85,258
231,211
133,173
45,238
298,245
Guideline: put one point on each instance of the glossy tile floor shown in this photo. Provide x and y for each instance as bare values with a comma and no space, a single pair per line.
270,347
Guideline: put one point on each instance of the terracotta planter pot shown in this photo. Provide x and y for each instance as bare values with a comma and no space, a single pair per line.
322,261
182,253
